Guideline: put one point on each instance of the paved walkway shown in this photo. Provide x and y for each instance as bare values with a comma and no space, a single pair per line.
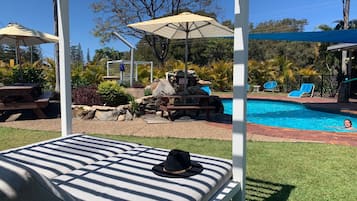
204,129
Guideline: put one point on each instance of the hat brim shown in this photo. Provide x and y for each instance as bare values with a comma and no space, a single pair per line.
195,169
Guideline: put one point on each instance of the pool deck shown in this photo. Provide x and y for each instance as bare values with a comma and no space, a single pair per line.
324,104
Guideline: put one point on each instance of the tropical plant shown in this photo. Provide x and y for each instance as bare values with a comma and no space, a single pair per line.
147,92
222,75
287,71
261,72
144,74
92,75
202,72
49,71
134,107
308,71
78,80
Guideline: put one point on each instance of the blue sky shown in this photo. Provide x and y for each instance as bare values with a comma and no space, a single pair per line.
37,14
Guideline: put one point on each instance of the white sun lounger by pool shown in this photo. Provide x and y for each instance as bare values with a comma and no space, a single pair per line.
81,167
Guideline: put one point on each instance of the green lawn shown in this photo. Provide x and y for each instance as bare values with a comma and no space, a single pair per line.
275,171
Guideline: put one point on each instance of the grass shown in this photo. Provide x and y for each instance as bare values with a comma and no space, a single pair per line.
275,171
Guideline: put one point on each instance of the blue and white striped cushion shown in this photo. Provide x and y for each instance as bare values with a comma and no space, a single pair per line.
62,155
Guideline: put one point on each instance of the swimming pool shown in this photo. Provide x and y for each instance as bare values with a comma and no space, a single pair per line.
291,115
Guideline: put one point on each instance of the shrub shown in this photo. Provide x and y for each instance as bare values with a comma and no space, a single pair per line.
6,76
147,92
112,94
28,75
78,79
92,75
86,95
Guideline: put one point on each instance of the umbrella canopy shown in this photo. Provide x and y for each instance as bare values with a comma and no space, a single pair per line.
18,35
184,26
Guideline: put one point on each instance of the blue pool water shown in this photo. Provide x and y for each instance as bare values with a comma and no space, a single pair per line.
291,115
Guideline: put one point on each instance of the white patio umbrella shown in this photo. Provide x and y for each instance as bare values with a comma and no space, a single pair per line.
184,26
18,35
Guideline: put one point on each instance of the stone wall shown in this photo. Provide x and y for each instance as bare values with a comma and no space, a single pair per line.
106,113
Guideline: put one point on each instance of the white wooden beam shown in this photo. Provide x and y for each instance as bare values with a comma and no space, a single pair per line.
65,70
240,72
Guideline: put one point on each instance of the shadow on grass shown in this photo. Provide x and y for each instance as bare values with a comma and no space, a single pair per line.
257,190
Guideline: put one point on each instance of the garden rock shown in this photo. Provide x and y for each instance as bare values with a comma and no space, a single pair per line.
106,115
88,115
128,116
83,112
121,117
163,88
196,90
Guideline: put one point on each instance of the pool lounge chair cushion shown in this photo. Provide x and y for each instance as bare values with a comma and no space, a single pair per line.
270,86
20,183
306,88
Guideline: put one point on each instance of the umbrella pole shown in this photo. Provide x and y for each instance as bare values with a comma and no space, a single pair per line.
186,58
18,59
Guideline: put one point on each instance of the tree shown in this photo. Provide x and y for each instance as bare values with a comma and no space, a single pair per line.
107,54
77,54
31,54
119,13
300,53
88,56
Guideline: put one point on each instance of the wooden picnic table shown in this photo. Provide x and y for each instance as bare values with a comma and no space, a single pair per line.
23,97
185,103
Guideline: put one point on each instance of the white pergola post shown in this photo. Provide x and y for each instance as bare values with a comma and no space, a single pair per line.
136,71
108,68
131,66
240,72
65,70
131,55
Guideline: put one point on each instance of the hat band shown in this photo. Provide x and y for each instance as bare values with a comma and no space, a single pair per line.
177,171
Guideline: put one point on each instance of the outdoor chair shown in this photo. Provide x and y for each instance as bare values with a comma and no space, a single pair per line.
305,89
270,86
81,167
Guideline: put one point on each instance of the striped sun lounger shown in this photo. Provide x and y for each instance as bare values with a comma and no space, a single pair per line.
81,167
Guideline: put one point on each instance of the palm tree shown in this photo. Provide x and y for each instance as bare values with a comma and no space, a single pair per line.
287,71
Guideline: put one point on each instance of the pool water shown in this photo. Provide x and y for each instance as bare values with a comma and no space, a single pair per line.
291,115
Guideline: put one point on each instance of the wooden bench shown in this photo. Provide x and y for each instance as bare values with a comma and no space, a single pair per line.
20,97
201,102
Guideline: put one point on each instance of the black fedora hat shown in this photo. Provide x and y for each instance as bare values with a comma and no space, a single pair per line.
177,165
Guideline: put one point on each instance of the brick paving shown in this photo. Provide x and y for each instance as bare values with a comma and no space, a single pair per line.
324,104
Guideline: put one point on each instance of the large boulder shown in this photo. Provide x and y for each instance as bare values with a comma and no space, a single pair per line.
163,88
